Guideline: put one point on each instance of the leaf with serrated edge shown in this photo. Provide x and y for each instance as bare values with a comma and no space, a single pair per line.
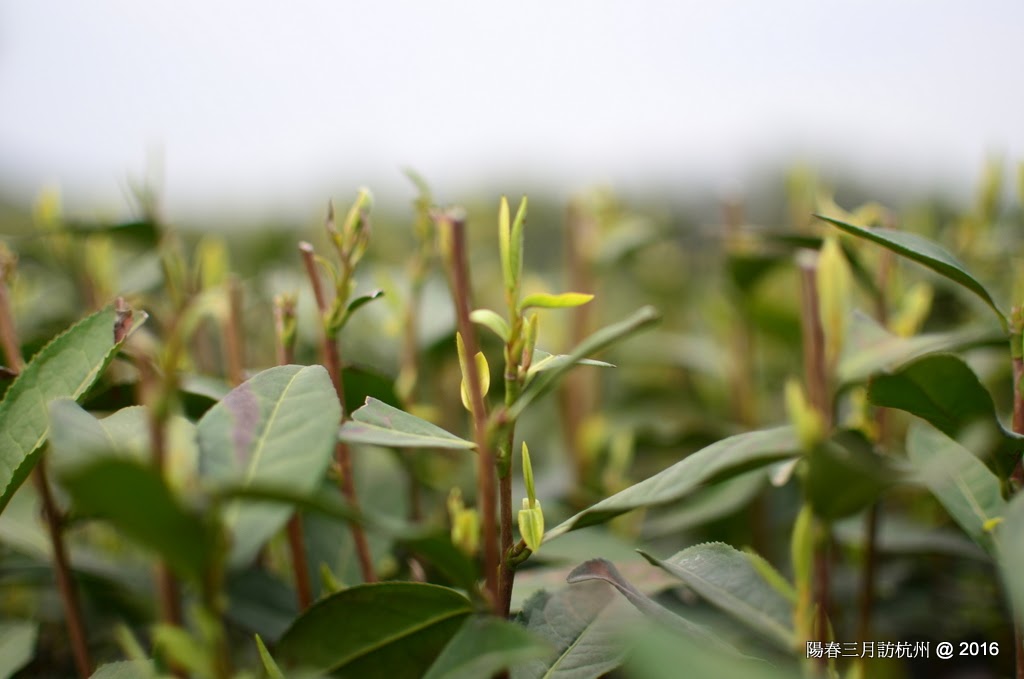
277,428
926,253
65,368
961,482
728,457
727,578
379,424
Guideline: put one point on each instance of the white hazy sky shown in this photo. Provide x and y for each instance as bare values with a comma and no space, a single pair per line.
267,105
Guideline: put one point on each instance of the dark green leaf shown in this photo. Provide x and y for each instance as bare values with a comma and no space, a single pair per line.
136,500
723,459
940,389
379,424
355,305
438,551
844,476
393,630
485,646
959,480
1009,541
584,625
926,253
126,669
707,504
362,383
727,578
64,368
276,428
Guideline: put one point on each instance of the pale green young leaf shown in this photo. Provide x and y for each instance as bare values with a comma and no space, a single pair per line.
492,321
565,300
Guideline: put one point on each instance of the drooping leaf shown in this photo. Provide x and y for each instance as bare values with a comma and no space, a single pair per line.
393,629
602,570
379,424
728,579
64,368
17,645
940,389
601,339
584,625
484,646
723,459
276,428
924,252
707,504
565,300
137,501
958,480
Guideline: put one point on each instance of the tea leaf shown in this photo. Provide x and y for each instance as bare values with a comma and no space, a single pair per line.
17,645
393,629
65,368
924,252
603,338
941,389
542,361
493,321
720,460
583,624
126,669
844,476
136,500
727,578
1010,553
273,671
565,300
379,424
277,427
484,646
958,480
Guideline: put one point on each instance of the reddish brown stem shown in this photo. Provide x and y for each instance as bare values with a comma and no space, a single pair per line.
342,455
816,377
61,564
507,574
485,459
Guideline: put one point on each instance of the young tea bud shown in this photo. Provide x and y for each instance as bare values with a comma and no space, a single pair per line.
212,261
835,295
917,304
531,524
528,476
810,428
465,523
482,368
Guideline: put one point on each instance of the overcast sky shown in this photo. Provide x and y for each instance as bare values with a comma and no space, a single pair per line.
267,105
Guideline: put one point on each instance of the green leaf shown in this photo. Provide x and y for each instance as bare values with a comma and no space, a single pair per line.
451,562
724,459
136,500
273,671
485,646
706,504
940,389
924,252
493,321
17,645
542,361
392,629
605,571
959,480
601,339
355,305
845,475
64,368
871,348
277,428
1010,552
77,438
728,579
126,669
379,424
565,300
583,624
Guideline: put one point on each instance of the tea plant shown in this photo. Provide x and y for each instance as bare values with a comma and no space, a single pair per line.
205,519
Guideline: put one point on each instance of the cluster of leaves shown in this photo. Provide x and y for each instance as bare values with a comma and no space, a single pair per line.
719,506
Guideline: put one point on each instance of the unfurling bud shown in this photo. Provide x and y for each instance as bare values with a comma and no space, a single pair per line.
835,293
483,371
531,524
531,493
465,523
809,425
